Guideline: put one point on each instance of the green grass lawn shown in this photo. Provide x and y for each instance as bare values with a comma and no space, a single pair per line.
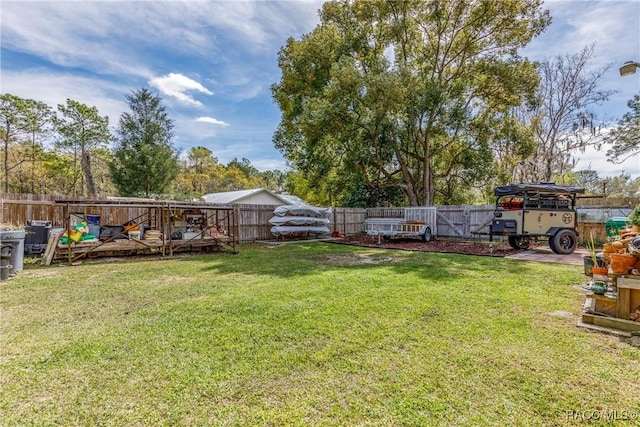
307,334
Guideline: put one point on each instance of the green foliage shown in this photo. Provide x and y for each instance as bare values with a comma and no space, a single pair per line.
362,195
634,217
82,130
407,93
145,162
298,184
618,190
201,174
13,127
625,137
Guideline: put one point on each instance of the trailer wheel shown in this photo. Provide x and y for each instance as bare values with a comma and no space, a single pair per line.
427,235
519,242
564,242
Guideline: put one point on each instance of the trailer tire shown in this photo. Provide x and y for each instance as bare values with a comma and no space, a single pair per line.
427,234
519,242
564,242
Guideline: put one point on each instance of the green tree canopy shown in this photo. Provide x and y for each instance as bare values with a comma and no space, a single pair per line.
145,162
13,127
199,174
82,130
405,94
625,137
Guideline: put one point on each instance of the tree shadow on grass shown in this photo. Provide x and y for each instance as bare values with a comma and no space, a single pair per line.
303,259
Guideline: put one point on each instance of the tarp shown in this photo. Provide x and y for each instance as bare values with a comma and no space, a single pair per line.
284,230
309,211
519,189
299,220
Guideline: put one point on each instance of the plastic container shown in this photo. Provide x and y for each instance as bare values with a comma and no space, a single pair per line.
93,219
76,218
94,229
37,236
5,261
112,231
16,239
615,224
188,235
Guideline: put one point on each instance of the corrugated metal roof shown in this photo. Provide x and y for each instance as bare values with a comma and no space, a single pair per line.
229,197
293,200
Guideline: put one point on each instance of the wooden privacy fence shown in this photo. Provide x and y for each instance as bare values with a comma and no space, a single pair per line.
253,221
462,222
17,209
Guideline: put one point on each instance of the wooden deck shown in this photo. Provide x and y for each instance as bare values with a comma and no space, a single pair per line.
122,247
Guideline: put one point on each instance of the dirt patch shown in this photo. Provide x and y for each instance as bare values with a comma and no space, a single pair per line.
435,245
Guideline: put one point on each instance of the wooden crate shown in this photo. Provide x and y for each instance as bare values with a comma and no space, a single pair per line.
628,296
610,322
604,305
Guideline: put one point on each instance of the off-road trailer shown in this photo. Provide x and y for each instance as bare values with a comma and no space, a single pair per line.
526,212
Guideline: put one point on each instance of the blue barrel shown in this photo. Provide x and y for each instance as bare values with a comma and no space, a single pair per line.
93,219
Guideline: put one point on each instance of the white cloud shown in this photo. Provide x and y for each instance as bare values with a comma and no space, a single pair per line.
72,34
596,160
179,86
212,121
266,164
612,25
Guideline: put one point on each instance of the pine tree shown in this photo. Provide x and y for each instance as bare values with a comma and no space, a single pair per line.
145,161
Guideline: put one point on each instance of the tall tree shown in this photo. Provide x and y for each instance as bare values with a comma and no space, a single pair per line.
13,128
82,130
145,161
404,94
274,180
245,167
625,137
199,174
40,124
563,117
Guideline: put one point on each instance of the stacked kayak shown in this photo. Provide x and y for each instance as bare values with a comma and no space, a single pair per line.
291,220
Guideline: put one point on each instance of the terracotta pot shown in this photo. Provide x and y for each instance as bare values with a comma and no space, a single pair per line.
601,271
621,263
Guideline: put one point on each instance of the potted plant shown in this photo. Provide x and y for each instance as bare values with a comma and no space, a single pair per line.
634,219
596,267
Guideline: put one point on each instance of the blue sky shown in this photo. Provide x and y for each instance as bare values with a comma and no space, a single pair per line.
214,62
